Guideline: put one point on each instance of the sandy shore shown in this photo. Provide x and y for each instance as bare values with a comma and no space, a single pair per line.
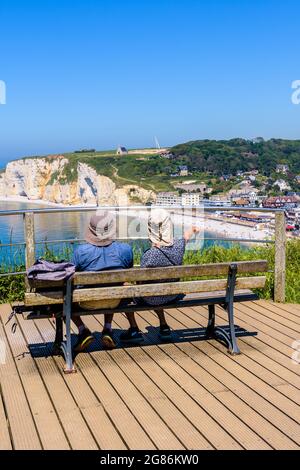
236,230
41,202
219,228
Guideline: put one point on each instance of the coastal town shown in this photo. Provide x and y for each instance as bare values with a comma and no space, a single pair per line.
250,190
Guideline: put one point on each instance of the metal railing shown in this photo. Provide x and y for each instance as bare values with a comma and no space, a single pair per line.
280,232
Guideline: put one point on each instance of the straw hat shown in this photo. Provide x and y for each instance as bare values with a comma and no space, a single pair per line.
102,229
160,228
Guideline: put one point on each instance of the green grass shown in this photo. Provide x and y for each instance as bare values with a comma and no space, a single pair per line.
12,288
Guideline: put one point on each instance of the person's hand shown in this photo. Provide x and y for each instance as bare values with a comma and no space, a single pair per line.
189,233
195,229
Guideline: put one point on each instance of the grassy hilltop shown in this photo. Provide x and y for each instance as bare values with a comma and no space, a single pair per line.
206,160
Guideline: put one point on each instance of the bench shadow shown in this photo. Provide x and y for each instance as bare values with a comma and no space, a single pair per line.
151,338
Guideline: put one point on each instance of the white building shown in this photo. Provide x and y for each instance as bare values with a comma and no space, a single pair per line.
172,199
283,185
183,170
191,199
168,199
122,151
284,169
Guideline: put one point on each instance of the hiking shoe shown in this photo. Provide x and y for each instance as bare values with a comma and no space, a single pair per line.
133,335
108,340
165,332
84,340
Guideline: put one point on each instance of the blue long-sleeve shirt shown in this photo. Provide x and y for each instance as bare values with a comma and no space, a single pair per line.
100,258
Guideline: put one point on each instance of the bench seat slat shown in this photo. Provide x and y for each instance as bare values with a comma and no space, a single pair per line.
145,290
152,274
190,300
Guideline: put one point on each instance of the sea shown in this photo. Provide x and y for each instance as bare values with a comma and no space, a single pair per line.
55,233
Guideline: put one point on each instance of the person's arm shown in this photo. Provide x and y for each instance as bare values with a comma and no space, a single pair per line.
128,258
75,260
189,233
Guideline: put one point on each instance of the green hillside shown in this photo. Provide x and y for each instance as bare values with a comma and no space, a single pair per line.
230,156
206,160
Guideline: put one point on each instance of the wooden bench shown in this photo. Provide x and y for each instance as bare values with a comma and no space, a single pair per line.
102,286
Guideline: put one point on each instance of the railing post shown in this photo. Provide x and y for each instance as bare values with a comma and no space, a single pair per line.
280,257
29,239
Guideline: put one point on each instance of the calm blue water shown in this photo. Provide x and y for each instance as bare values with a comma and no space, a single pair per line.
58,226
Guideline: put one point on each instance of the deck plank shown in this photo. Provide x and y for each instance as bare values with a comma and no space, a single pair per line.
181,395
209,428
233,402
291,311
258,313
245,383
282,314
132,432
72,421
5,442
199,415
268,369
91,408
186,432
21,422
262,353
43,412
280,345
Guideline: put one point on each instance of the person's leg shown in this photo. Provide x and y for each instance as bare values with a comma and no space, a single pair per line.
79,323
108,318
161,316
133,334
85,337
164,329
132,320
107,334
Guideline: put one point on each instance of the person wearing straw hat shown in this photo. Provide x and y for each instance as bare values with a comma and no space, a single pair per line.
165,251
101,253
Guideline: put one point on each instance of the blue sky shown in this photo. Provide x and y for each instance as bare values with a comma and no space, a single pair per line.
87,73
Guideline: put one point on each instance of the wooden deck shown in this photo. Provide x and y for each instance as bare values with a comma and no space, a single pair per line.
186,395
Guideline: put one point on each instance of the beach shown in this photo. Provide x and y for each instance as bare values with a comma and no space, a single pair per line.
41,202
207,224
131,217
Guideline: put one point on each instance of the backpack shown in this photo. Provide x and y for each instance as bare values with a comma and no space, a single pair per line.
43,270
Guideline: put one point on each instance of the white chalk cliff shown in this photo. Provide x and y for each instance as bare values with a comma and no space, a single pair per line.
45,179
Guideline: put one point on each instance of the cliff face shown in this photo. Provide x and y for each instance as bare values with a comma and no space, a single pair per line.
45,179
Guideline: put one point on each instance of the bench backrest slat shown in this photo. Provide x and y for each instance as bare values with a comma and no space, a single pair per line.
153,274
144,290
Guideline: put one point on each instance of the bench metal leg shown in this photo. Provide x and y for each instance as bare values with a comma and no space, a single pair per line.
211,321
58,335
224,334
160,313
233,347
67,345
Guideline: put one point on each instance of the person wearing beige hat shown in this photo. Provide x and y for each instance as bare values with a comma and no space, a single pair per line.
101,253
164,251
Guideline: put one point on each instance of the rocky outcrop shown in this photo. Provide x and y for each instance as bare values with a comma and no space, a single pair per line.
55,180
